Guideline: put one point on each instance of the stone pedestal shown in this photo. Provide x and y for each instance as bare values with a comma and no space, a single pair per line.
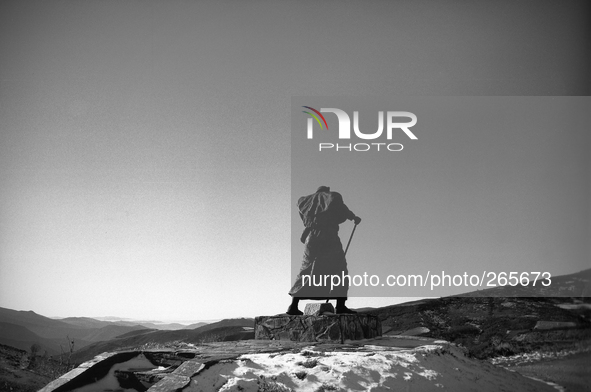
337,328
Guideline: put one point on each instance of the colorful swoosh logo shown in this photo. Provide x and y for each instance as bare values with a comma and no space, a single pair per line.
316,118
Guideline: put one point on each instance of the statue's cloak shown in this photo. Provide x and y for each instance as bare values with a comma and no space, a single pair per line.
321,213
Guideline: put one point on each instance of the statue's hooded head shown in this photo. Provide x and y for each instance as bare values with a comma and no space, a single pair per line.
323,189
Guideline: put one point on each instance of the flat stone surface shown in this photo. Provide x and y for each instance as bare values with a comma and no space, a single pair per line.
318,308
317,328
151,376
73,373
170,383
189,368
55,384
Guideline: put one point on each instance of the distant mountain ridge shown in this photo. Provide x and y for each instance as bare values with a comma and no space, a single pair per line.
224,330
17,336
99,322
21,329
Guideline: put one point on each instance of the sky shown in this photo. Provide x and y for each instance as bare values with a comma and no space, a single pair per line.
145,157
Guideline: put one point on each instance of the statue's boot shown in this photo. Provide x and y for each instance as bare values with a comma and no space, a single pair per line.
342,309
293,308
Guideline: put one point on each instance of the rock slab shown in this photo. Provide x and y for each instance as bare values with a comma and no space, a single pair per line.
318,308
337,328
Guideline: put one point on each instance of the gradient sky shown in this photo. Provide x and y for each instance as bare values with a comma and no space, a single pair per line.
145,145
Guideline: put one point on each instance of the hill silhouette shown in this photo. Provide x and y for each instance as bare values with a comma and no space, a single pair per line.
21,329
17,336
225,330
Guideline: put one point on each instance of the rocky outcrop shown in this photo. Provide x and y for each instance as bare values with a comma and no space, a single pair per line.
318,328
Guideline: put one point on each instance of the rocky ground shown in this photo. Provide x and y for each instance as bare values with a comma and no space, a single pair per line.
409,362
381,364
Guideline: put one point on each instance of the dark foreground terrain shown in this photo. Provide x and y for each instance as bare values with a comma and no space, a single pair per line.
20,372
